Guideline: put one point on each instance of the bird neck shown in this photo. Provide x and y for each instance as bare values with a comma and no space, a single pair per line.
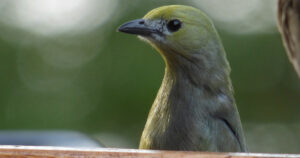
194,82
187,82
206,69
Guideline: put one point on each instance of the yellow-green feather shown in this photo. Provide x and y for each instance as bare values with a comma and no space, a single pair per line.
196,29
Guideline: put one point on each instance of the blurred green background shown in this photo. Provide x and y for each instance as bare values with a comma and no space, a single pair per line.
64,66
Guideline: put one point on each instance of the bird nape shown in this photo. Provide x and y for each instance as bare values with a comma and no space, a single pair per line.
194,108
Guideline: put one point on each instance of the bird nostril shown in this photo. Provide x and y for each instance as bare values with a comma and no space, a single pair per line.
142,22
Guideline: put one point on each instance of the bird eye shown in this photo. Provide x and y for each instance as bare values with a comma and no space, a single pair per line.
174,25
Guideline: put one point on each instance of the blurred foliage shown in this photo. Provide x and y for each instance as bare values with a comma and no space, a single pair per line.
101,81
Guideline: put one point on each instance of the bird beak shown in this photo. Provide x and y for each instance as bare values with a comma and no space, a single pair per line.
137,27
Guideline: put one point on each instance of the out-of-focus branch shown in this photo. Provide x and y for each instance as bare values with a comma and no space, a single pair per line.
289,27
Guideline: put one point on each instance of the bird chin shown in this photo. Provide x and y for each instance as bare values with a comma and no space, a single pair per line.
147,39
143,38
153,38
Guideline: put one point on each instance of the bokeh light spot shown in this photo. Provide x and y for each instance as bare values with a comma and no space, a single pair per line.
50,17
241,17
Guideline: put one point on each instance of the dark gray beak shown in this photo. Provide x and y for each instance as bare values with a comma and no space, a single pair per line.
137,27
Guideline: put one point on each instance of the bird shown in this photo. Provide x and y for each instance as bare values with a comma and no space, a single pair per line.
194,109
288,19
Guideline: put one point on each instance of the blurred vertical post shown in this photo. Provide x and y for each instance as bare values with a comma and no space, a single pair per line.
289,27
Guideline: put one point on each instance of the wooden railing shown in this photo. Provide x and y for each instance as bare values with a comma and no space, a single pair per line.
49,152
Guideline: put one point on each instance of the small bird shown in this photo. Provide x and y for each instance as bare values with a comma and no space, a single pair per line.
194,109
289,27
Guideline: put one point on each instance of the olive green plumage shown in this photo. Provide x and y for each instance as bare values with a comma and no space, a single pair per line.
194,108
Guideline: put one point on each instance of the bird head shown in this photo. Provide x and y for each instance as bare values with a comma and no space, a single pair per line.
179,29
187,40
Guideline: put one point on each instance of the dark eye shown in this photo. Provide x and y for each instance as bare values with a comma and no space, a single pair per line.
174,25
